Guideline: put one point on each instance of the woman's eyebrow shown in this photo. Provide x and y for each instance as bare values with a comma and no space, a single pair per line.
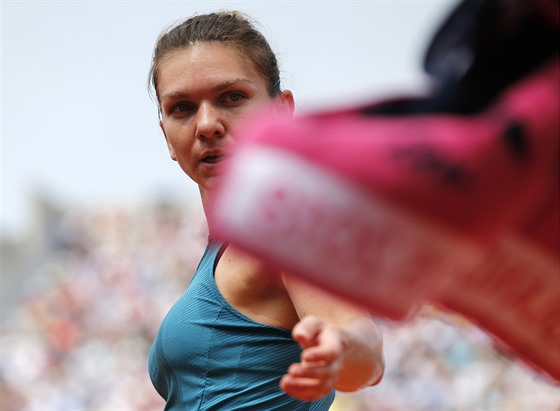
174,95
228,83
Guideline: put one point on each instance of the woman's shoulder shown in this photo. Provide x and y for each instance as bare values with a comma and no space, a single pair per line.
254,288
248,270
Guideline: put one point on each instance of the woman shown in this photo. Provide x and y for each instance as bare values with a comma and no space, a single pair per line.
243,336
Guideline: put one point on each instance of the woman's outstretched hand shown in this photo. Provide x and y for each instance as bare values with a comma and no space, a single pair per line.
316,374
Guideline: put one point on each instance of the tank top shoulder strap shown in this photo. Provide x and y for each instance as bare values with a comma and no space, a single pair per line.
212,254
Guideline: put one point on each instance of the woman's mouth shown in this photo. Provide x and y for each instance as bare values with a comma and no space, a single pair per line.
212,159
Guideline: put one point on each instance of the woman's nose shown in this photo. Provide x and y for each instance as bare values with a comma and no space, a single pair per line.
209,123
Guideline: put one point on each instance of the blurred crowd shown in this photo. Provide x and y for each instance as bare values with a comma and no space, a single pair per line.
78,337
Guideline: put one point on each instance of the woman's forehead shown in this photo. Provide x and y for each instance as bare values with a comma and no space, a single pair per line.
207,54
211,62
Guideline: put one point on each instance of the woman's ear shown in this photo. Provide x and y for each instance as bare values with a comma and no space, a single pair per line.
286,102
169,147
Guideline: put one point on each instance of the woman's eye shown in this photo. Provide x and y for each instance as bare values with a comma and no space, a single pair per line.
181,108
234,97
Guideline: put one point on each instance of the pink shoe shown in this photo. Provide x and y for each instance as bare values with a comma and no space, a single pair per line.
396,211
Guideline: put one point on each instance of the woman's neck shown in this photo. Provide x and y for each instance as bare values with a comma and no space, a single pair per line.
204,197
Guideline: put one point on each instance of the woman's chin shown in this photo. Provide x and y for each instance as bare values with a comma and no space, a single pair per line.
211,183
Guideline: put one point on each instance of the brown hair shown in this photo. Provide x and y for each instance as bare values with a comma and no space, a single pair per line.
231,27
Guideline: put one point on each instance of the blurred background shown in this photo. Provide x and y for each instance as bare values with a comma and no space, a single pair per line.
101,231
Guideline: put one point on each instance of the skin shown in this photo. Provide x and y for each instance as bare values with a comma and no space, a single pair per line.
205,90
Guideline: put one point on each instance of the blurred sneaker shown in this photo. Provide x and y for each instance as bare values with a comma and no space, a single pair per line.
397,210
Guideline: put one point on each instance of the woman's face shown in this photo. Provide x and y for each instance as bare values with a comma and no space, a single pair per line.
204,91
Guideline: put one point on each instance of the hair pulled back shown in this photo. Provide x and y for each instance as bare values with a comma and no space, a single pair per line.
230,27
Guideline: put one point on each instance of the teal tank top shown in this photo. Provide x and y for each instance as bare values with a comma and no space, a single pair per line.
209,356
